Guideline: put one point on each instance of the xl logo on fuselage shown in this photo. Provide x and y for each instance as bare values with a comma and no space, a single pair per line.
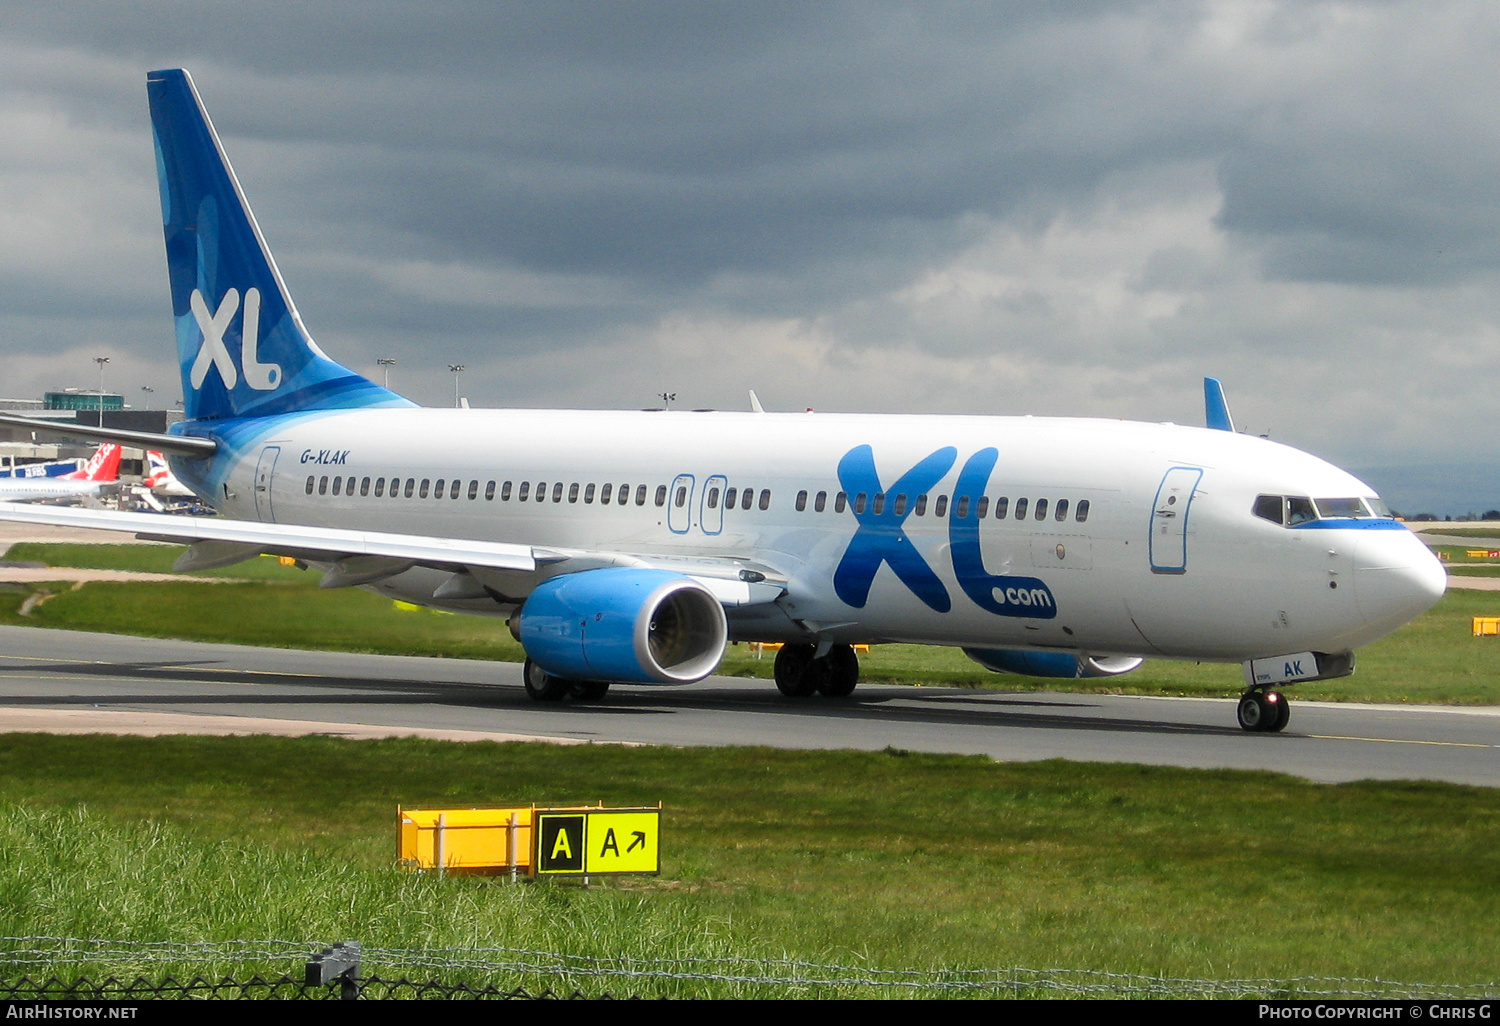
881,538
213,353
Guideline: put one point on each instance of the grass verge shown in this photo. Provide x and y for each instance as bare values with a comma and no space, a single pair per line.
888,860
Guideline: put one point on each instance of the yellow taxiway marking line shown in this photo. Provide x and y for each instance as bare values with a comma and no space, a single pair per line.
1400,741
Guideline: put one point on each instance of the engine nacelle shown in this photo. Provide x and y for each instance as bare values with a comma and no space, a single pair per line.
1052,664
624,624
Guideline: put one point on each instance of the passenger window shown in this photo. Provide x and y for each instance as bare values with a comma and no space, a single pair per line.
364,487
839,502
322,486
489,492
983,508
411,486
309,484
458,486
820,502
422,492
921,509
557,491
1082,514
730,497
802,500
1299,510
379,487
859,503
1062,511
1021,508
940,508
877,506
681,498
573,492
1002,507
765,498
505,492
900,506
605,493
1269,507
437,489
337,482
746,498
661,495
961,508
1041,509
640,494
525,491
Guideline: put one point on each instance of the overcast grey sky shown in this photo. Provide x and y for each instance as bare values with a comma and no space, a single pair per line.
1064,208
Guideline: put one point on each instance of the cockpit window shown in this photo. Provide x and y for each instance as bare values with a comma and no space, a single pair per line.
1268,507
1299,510
1342,509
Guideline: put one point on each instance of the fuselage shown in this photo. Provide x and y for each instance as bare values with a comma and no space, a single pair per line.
994,532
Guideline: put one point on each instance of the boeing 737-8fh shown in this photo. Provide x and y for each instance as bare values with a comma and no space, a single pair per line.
633,546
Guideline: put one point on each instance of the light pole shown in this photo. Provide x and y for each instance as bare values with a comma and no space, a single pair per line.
101,361
666,398
148,390
457,369
385,365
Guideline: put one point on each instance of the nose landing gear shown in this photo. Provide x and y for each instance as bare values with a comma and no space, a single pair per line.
1266,711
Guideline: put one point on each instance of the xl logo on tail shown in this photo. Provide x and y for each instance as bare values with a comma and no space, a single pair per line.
213,353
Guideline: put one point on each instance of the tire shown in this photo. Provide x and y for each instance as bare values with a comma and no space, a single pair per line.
589,690
840,672
1283,710
1252,712
542,686
795,675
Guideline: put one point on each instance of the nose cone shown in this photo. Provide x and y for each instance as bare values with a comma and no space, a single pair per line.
1398,579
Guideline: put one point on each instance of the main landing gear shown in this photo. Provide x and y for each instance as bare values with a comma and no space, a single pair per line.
801,672
1264,711
543,687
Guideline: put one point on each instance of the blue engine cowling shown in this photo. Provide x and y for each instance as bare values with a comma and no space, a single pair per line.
624,624
1051,664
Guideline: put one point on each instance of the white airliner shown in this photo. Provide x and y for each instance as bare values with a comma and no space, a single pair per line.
632,546
102,470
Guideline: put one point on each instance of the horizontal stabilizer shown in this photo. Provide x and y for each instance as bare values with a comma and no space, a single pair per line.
180,445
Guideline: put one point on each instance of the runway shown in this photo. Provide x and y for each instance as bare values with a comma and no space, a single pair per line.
65,680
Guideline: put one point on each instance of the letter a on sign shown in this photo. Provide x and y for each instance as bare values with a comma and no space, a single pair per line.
561,839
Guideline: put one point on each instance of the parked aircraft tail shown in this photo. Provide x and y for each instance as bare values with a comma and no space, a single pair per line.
104,465
243,349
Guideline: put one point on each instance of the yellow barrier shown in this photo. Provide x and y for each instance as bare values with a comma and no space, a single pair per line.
1482,553
760,648
1486,626
466,840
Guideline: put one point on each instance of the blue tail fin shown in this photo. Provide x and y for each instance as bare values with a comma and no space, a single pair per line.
240,342
1215,406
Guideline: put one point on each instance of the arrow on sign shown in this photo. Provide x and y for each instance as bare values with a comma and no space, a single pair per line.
638,840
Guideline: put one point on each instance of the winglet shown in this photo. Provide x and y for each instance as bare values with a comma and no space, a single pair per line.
755,406
1216,409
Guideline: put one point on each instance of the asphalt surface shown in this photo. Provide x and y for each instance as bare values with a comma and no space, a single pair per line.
71,681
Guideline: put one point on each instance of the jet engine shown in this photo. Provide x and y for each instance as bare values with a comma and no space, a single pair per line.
1052,664
623,624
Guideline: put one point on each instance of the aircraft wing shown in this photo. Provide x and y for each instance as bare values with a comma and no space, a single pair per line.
363,557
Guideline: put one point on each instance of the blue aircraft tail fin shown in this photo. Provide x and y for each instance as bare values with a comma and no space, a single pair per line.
1216,408
241,345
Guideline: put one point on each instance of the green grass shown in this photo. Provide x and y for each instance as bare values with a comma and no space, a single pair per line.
1434,659
890,860
1465,532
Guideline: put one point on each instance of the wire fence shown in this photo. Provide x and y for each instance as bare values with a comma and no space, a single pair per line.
74,968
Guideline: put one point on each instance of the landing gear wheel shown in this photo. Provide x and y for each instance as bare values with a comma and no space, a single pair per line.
1278,704
589,690
1264,711
542,686
796,676
841,672
1252,712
